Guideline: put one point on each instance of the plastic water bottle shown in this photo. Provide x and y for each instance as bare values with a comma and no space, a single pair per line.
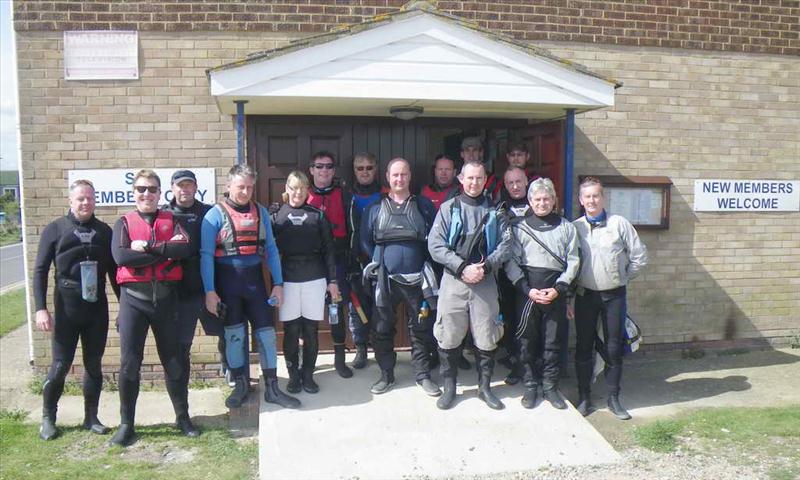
272,301
333,313
424,310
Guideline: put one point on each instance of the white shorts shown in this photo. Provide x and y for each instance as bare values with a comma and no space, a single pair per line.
304,299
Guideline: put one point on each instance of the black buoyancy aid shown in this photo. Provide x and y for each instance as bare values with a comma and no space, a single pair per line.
161,231
399,223
242,233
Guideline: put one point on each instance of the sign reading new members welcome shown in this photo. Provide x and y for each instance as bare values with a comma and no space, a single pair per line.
115,187
746,195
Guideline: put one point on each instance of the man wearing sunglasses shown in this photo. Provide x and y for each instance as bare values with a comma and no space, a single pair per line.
366,191
148,245
328,196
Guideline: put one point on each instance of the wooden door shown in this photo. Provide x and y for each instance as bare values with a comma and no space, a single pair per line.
546,146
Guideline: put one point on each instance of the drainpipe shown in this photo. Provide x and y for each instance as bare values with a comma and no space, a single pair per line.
569,162
240,131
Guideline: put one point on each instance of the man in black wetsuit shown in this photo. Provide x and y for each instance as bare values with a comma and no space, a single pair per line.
148,245
80,246
191,299
393,234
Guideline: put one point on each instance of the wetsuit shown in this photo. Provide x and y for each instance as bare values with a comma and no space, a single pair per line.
308,262
236,240
191,300
333,201
149,299
394,235
362,197
67,242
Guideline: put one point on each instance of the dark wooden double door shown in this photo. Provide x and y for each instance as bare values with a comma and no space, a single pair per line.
278,145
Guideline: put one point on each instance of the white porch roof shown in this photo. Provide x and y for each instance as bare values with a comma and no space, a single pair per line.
419,57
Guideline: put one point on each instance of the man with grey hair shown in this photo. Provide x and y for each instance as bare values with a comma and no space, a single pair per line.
543,264
471,241
236,239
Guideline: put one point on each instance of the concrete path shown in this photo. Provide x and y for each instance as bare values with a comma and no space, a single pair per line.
346,432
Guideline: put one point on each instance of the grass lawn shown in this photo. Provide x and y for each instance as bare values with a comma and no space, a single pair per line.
12,310
9,238
770,435
159,453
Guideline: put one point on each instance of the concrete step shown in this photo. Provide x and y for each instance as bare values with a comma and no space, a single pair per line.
344,431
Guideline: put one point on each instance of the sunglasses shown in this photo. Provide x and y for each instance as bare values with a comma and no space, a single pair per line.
142,189
368,168
323,166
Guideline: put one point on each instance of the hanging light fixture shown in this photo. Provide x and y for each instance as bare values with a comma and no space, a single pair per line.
406,113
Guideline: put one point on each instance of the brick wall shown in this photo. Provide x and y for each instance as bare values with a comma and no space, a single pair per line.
763,26
690,115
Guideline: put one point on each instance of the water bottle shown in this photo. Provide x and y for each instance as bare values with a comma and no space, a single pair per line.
272,301
333,313
424,311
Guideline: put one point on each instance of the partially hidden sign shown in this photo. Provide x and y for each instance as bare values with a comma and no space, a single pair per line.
115,187
715,195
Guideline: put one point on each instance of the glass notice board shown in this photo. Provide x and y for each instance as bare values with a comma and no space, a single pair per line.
644,201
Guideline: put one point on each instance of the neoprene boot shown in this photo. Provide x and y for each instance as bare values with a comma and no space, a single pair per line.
338,362
48,430
616,408
240,390
384,384
295,384
516,373
531,397
309,385
449,372
585,406
583,372
185,425
361,356
486,362
273,393
91,422
553,395
125,435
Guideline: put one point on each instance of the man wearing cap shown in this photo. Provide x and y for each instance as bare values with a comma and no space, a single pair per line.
189,213
472,151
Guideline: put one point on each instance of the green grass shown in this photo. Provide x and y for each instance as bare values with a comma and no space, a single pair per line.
772,434
12,310
9,237
159,453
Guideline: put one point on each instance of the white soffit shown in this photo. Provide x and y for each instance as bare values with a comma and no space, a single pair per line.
422,60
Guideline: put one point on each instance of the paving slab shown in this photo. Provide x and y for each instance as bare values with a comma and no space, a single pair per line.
347,432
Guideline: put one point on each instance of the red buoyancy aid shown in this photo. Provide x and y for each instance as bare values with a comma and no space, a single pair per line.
241,233
439,195
162,230
332,204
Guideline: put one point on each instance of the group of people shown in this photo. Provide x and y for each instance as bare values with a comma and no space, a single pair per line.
475,259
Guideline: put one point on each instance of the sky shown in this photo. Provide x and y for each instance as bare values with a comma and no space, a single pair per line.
9,150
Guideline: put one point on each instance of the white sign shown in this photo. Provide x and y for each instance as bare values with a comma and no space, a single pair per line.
746,195
101,55
115,187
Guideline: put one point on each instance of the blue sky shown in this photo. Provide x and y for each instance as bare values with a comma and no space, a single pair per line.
8,91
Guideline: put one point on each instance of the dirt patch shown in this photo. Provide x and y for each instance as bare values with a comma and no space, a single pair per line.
167,453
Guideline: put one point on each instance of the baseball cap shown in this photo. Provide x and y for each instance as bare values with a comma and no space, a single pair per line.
182,175
473,142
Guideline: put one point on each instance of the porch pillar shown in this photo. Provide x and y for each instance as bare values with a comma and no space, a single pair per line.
240,131
569,153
